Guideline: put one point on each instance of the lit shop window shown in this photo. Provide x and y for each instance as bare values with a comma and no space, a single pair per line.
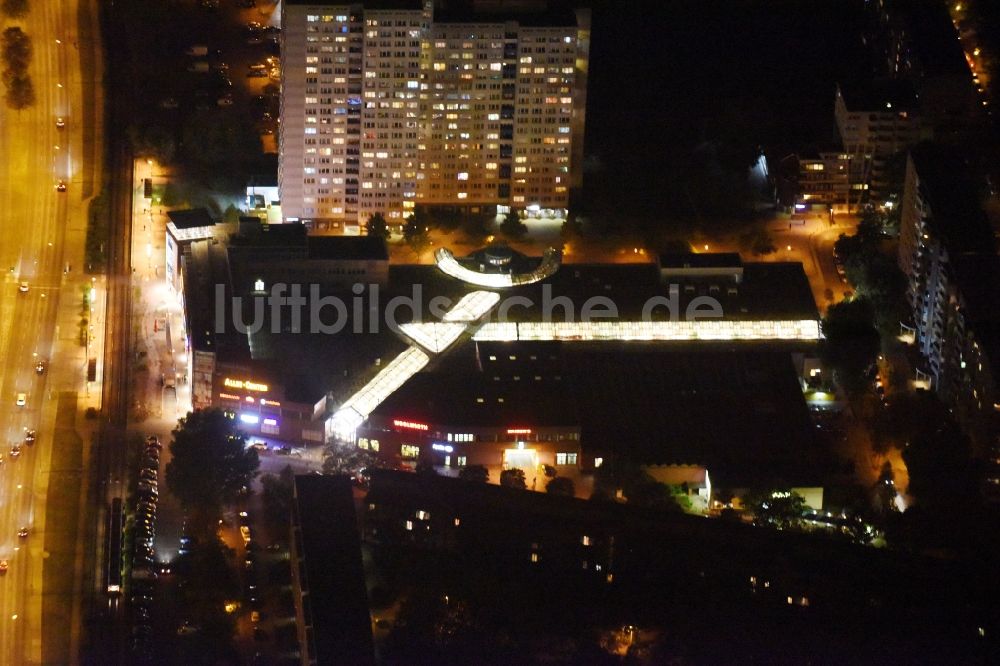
409,452
461,463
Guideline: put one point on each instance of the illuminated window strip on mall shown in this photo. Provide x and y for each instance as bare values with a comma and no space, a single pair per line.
472,306
434,337
806,329
353,413
438,336
190,233
551,259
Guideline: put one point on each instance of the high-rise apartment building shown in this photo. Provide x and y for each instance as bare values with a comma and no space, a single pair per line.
947,251
388,105
876,123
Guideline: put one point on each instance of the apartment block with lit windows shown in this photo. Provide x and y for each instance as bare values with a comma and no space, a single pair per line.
390,104
390,132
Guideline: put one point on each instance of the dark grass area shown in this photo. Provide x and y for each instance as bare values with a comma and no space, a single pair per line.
61,518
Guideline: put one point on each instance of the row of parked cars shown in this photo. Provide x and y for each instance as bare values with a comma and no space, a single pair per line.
143,559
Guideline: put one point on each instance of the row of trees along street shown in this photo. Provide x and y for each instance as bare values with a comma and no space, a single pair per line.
858,328
420,221
210,469
16,52
946,510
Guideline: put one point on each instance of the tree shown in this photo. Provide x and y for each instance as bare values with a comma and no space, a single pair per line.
210,464
572,228
851,344
415,230
14,8
476,227
779,508
344,458
477,473
880,280
377,226
512,227
885,490
20,93
15,48
940,467
904,416
231,214
759,242
276,496
172,196
151,139
513,478
635,484
561,485
208,582
550,471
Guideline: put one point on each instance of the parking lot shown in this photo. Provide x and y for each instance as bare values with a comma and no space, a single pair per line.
223,66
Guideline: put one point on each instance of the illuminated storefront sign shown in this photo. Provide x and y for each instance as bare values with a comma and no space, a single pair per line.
409,425
447,448
270,422
244,384
250,418
229,396
518,431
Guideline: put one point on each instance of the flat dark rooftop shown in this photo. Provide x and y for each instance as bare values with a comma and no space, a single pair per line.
872,96
702,260
256,234
740,413
204,266
329,545
950,186
347,247
191,218
376,4
767,291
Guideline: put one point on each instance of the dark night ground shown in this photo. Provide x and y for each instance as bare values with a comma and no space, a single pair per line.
667,76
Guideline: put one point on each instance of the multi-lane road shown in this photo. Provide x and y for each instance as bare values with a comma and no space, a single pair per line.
41,235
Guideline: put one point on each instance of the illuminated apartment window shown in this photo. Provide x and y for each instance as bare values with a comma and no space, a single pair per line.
534,557
458,521
423,515
409,525
585,540
598,462
463,175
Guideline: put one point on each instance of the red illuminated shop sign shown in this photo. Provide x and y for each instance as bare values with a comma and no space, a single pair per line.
409,425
